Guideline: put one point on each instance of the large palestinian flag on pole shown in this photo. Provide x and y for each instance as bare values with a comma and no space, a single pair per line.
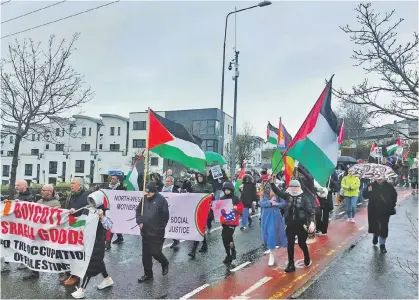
172,141
316,144
271,134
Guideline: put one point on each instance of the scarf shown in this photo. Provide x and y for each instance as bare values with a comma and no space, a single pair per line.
113,186
167,189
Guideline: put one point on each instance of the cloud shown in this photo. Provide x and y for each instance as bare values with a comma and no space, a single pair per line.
168,55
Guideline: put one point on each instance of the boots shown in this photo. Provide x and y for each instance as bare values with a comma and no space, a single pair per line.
204,247
107,245
271,258
375,240
383,249
291,267
228,260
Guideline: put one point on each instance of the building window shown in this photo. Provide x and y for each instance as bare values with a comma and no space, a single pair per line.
5,182
112,130
85,147
154,161
39,137
114,147
47,147
83,131
205,127
170,162
9,153
52,180
57,132
100,146
139,125
11,139
138,143
34,151
119,130
28,170
53,165
63,131
59,147
33,137
90,131
210,145
6,170
79,166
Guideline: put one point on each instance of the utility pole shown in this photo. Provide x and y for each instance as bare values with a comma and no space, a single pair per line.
233,144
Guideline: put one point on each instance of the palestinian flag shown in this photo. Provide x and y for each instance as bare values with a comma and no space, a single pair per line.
172,141
393,148
131,181
316,144
271,134
76,222
239,180
341,135
373,151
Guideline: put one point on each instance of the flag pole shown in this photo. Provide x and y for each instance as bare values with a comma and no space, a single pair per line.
146,156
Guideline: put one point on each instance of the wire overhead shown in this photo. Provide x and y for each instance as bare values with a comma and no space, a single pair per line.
31,12
61,19
4,2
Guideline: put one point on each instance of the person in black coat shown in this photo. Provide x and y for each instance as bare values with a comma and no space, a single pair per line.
96,264
152,218
248,195
116,185
381,205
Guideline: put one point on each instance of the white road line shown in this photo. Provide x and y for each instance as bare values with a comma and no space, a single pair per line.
257,285
240,266
195,291
168,245
342,212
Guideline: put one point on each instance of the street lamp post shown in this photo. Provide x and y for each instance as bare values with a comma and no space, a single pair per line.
233,142
261,4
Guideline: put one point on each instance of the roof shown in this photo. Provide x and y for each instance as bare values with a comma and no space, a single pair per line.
98,121
175,110
115,117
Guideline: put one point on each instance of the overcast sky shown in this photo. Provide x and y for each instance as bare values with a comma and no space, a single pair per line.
168,55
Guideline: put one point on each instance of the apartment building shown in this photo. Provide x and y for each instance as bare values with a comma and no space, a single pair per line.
94,148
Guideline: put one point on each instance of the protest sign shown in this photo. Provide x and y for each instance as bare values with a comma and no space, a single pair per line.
221,206
46,239
188,213
216,172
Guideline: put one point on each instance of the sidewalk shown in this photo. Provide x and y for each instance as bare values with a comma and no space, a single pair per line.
259,281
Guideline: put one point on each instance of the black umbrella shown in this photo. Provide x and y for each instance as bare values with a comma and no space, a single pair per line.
347,160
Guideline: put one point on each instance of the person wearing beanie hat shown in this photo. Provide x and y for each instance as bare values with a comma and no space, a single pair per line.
152,215
299,220
230,221
201,186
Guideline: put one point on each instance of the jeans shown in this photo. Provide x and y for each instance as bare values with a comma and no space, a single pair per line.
245,217
350,203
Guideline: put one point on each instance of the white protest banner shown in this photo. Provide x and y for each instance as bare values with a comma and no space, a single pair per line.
221,206
46,239
188,213
216,172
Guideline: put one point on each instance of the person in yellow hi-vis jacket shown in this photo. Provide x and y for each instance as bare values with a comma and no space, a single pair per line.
350,186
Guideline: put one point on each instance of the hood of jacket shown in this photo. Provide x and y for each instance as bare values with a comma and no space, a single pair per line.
96,199
204,178
247,179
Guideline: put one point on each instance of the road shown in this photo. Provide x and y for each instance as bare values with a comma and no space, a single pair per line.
204,277
363,272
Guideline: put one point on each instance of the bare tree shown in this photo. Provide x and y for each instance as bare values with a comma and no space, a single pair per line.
38,88
379,53
355,117
245,144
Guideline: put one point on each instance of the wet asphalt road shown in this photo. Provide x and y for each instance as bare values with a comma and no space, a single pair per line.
124,266
363,272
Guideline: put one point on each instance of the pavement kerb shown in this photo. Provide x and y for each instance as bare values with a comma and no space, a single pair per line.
301,290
